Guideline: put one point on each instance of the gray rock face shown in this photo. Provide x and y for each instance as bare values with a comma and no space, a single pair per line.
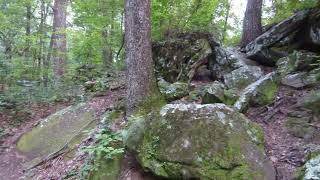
261,92
242,77
312,169
299,80
58,130
260,49
297,61
213,141
173,91
313,32
174,57
312,101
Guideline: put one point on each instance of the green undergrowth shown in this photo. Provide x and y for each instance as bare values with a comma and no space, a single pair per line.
107,148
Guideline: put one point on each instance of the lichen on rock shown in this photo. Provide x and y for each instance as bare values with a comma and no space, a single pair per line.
200,141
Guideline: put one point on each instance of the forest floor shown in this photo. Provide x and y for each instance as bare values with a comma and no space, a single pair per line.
11,166
284,150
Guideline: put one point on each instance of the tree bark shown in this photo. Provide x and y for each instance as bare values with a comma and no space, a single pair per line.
28,30
252,27
140,75
58,42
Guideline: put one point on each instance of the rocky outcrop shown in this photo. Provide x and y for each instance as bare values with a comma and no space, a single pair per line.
297,61
175,57
189,141
300,31
312,101
261,92
57,133
311,169
260,49
173,91
242,77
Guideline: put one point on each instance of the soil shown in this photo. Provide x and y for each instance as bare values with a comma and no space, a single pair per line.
11,166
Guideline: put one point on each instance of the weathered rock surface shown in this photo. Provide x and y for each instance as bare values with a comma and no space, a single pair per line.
60,131
312,101
186,141
260,49
300,80
175,57
242,77
216,92
261,92
300,127
297,61
173,91
311,170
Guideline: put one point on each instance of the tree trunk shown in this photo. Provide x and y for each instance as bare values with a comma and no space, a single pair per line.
58,43
140,75
226,19
252,27
28,30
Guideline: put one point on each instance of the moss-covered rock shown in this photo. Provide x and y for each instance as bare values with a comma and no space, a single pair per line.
174,57
261,92
106,169
242,77
211,141
300,127
311,170
297,61
216,93
173,91
312,101
55,132
212,93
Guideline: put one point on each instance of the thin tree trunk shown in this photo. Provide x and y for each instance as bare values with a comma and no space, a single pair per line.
252,27
28,30
140,75
42,56
225,27
58,45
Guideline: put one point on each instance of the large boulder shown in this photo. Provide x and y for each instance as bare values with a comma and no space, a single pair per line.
173,91
61,131
242,77
216,92
261,50
312,32
297,61
175,57
190,141
261,92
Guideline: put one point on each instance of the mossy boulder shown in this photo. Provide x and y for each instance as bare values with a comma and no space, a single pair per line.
311,170
242,77
64,129
106,169
297,61
190,141
261,92
173,91
175,56
312,102
300,127
216,93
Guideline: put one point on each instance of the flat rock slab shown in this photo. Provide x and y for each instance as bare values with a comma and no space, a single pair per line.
58,131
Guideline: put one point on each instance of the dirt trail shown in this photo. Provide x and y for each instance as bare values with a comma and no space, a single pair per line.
11,166
284,150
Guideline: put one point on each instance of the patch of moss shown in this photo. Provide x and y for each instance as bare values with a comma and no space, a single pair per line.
230,97
267,93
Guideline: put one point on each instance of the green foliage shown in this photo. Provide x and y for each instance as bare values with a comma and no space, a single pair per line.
282,9
107,147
